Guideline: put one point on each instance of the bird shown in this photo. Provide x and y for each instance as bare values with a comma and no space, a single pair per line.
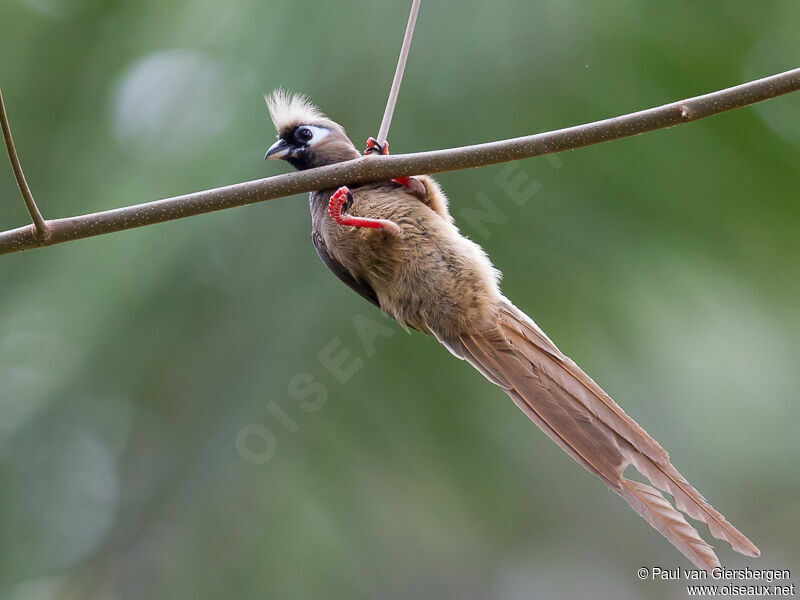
396,244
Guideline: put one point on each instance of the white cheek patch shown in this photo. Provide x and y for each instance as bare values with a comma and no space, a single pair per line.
319,133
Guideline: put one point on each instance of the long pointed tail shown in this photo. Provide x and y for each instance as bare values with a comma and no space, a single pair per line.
583,420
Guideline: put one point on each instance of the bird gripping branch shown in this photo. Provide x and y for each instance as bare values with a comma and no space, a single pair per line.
421,271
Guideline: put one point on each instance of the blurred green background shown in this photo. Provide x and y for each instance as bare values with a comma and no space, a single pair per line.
153,443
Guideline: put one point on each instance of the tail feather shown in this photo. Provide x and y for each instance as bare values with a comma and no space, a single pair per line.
532,342
570,426
654,508
689,500
584,421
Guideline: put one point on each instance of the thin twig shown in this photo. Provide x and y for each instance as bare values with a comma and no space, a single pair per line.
381,168
39,224
383,132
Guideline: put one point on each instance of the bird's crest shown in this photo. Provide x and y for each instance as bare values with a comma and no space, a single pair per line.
288,110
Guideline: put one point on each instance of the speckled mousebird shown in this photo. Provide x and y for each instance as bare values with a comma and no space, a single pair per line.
395,244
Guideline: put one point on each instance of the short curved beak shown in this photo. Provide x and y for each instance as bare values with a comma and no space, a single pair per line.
278,150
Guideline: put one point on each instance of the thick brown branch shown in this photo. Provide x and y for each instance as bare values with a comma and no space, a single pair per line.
39,224
379,168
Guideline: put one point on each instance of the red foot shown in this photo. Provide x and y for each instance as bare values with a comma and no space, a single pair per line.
373,147
344,195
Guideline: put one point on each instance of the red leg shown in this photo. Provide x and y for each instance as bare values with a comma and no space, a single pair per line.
344,195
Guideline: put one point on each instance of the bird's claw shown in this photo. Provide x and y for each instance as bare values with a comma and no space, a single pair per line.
348,198
341,200
374,147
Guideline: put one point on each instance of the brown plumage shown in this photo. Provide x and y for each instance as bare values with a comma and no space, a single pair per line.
433,279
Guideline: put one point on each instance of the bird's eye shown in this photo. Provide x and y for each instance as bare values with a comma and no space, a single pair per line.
304,134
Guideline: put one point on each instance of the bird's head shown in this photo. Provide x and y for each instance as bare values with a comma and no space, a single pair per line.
306,137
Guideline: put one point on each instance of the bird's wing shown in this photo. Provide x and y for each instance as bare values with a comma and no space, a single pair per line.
361,287
578,416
